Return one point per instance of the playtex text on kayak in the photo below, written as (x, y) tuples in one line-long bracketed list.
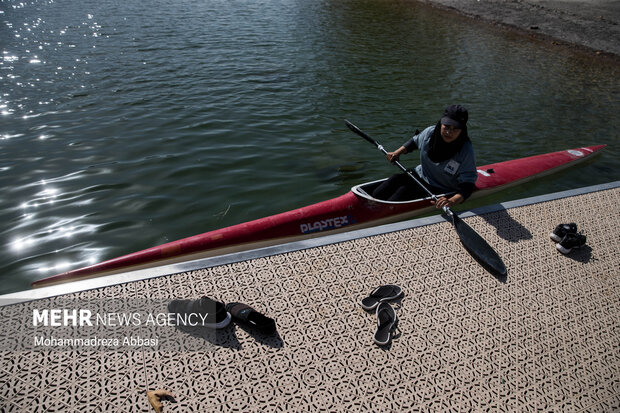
[(326, 224)]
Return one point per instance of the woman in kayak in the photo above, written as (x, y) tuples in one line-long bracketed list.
[(447, 163)]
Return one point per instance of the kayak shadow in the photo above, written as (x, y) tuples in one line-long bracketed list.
[(507, 227)]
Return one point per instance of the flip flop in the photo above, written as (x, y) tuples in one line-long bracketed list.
[(386, 320), (246, 314), (380, 294)]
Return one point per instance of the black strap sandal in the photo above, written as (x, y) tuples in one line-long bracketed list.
[(381, 294), (386, 322)]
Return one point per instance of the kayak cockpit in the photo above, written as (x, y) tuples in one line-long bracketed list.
[(365, 190)]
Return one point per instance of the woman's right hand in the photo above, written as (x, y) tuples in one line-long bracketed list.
[(393, 156)]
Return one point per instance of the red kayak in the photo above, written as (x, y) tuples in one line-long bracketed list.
[(353, 210)]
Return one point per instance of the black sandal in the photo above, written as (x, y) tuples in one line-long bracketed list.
[(380, 294), (386, 321)]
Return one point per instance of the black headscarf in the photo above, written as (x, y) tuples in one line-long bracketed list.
[(439, 150)]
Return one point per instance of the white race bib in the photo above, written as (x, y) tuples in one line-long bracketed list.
[(452, 167)]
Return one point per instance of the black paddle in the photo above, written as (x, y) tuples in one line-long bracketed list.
[(471, 240)]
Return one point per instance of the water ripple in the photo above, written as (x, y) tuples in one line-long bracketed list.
[(124, 126)]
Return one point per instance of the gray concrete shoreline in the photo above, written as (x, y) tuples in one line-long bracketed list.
[(592, 25)]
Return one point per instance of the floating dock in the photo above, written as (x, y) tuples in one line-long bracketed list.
[(544, 339)]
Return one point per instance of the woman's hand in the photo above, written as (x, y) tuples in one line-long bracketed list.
[(393, 156), (448, 202)]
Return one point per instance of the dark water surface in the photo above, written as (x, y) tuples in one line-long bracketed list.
[(126, 124)]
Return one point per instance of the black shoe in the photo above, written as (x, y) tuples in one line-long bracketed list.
[(201, 312), (571, 241), (561, 230), (252, 318)]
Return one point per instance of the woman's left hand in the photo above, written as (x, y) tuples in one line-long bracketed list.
[(448, 202)]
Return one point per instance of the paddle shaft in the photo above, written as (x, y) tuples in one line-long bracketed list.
[(397, 163)]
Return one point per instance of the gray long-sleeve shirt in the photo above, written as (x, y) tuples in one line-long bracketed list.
[(449, 174)]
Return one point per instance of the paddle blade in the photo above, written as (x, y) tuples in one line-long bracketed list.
[(479, 248)]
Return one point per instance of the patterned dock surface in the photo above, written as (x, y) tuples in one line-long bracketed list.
[(546, 339)]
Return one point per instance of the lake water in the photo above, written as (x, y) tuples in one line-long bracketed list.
[(127, 124)]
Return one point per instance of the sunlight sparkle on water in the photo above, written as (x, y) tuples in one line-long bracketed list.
[(64, 266), (21, 244)]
